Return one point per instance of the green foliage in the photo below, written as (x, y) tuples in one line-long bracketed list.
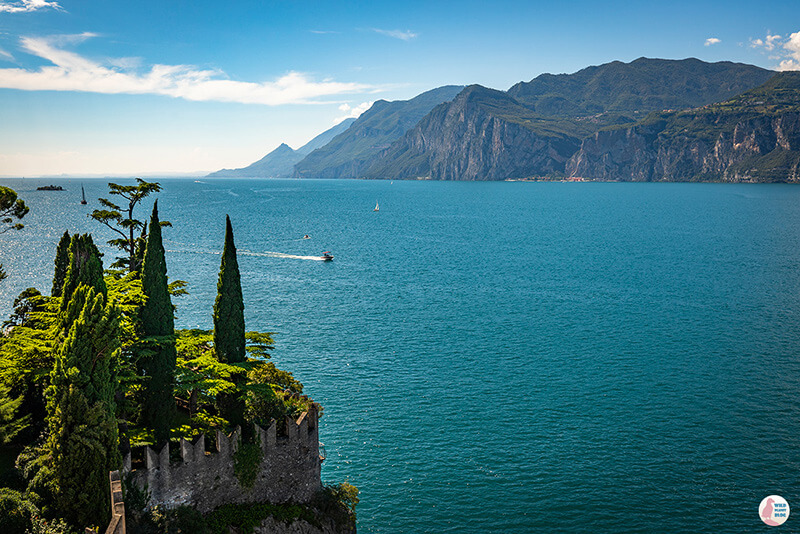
[(339, 502), (698, 130), (125, 290), (29, 303), (62, 264), (82, 445), (12, 423), (229, 338), (83, 448), (642, 85), (120, 220), (246, 461), (158, 520), (258, 343), (136, 499), (15, 512), (268, 373), (40, 525), (11, 208), (85, 268), (157, 355), (201, 379), (26, 359), (79, 350), (245, 517)]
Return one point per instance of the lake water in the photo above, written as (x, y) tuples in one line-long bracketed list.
[(508, 357)]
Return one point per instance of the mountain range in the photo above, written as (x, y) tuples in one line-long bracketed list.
[(280, 162), (647, 120)]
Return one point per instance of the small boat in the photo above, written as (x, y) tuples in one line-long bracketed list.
[(83, 196), (326, 256), (376, 206), (306, 236)]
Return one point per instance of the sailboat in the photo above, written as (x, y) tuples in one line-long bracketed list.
[(83, 195), (376, 206)]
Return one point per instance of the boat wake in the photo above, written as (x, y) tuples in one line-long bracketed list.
[(241, 252), (279, 255)]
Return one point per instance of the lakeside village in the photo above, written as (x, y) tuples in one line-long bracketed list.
[(113, 421)]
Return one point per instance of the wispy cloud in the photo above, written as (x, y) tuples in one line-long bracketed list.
[(712, 41), (322, 32), (5, 54), (26, 6), (352, 112), (397, 34), (785, 50), (72, 72)]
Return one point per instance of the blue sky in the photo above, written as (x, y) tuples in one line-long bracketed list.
[(104, 87)]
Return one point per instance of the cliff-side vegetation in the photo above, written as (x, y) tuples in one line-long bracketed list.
[(754, 136), (97, 367)]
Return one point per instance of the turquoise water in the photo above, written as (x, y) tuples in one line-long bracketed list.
[(509, 357)]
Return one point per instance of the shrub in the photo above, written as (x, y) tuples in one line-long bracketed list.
[(15, 512)]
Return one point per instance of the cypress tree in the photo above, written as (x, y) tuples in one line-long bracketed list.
[(158, 331), (83, 443), (229, 306), (62, 264), (84, 268)]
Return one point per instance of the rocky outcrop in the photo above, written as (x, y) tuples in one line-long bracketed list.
[(482, 135), (739, 148)]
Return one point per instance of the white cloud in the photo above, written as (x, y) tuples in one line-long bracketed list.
[(26, 6), (768, 43), (397, 34), (5, 54), (72, 72), (792, 46), (350, 112), (785, 50), (322, 32), (712, 41), (788, 64)]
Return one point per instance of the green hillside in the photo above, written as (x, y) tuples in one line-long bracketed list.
[(640, 86)]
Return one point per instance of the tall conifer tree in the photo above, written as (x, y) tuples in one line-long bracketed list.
[(62, 264), (158, 331), (229, 339), (83, 443), (84, 268)]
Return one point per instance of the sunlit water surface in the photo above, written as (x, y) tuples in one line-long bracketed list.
[(507, 357)]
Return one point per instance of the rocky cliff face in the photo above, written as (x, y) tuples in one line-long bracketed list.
[(348, 154), (762, 148), (482, 135)]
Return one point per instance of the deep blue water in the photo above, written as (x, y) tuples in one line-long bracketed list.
[(509, 357)]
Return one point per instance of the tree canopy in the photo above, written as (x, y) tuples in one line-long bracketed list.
[(11, 209), (98, 366), (120, 219)]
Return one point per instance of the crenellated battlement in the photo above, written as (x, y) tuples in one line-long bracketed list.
[(289, 468)]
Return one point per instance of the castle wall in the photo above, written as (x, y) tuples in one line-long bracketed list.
[(289, 469)]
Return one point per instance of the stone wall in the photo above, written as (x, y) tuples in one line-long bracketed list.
[(272, 526), (289, 469)]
